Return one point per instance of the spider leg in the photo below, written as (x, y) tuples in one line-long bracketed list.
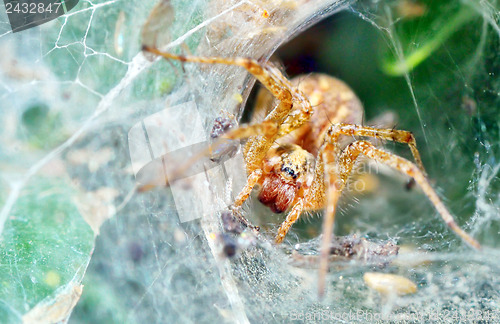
[(409, 169), (329, 154), (291, 218), (400, 136), (252, 180), (346, 163), (266, 73), (266, 129), (279, 86)]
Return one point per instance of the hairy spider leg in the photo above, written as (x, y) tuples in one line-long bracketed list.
[(336, 185), (420, 177), (279, 86), (400, 136)]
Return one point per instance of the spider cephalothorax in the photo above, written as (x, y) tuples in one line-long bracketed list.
[(289, 171)]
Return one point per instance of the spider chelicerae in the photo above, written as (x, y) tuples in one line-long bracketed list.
[(297, 155)]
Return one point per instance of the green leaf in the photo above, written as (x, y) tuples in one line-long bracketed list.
[(433, 35), (45, 245)]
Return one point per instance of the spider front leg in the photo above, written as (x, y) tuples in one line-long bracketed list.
[(266, 73), (252, 180), (278, 85), (292, 217)]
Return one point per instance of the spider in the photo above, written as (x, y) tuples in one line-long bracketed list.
[(298, 155)]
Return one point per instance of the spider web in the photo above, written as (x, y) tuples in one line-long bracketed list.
[(72, 89)]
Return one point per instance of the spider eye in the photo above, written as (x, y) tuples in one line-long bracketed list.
[(289, 171)]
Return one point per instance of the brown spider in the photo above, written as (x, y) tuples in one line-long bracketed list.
[(297, 156)]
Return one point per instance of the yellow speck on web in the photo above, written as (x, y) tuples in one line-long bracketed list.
[(387, 284), (52, 278), (238, 97)]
